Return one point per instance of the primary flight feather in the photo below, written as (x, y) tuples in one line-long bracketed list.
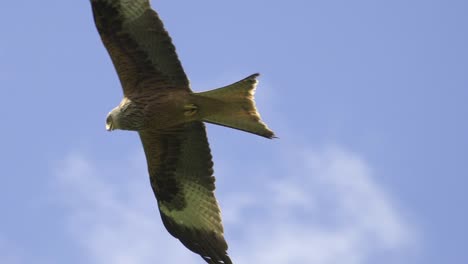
[(159, 104)]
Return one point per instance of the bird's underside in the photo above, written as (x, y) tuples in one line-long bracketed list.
[(159, 104)]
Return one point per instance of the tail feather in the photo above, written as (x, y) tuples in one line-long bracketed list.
[(234, 106)]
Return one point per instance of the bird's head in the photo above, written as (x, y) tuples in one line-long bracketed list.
[(125, 116), (112, 120)]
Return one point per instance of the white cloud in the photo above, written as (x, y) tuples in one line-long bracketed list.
[(326, 208), (115, 222)]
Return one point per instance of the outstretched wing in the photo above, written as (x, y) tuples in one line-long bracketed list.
[(139, 46), (181, 174)]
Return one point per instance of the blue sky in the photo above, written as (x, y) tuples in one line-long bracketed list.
[(368, 99)]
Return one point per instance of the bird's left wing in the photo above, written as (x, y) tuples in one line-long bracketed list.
[(139, 46), (181, 173)]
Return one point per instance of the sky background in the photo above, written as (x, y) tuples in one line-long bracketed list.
[(368, 99)]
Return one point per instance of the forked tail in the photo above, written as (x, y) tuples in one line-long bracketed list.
[(234, 106)]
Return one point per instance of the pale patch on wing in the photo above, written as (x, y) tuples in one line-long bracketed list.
[(202, 211), (133, 9)]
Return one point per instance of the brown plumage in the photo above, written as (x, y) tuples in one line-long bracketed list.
[(159, 104)]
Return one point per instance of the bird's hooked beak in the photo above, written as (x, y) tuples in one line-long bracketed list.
[(109, 127)]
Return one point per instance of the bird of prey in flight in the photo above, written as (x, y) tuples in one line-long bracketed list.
[(169, 117)]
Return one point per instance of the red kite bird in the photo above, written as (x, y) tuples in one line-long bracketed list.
[(159, 104)]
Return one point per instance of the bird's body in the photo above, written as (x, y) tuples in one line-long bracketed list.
[(159, 104), (158, 111)]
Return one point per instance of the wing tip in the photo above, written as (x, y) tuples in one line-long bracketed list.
[(210, 245)]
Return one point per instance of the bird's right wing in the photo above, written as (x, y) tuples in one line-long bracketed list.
[(139, 46), (181, 173)]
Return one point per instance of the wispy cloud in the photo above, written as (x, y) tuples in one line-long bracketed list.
[(327, 208), (113, 221)]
